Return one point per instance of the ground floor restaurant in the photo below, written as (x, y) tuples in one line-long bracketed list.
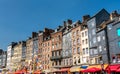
[(91, 69)]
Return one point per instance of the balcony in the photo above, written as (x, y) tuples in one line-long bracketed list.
[(56, 58)]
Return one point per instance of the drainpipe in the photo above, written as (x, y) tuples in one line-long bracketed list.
[(107, 45)]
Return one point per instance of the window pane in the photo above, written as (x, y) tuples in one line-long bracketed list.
[(98, 38), (93, 32), (118, 31), (78, 50)]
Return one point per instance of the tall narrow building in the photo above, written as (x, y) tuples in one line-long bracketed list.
[(92, 24), (56, 41), (10, 52), (18, 58), (67, 45), (45, 47)]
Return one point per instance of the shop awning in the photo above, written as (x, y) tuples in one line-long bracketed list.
[(118, 70), (54, 70), (84, 67), (64, 70), (18, 72), (95, 68), (24, 71), (75, 69), (113, 67), (37, 72)]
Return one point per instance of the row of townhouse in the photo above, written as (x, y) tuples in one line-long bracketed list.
[(95, 40)]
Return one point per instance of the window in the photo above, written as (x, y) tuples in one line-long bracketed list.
[(53, 46), (86, 33), (93, 31), (86, 40), (66, 61), (82, 41), (63, 53), (78, 50), (78, 59), (83, 51), (109, 27), (78, 41), (103, 37), (59, 62), (57, 53), (95, 51), (74, 51), (118, 32), (74, 42), (67, 53), (119, 44), (77, 32), (70, 61), (94, 40), (52, 40), (90, 43), (59, 36), (55, 62), (100, 48), (87, 51), (91, 51), (48, 43), (98, 38), (74, 34), (92, 24), (48, 49), (84, 59), (82, 34)]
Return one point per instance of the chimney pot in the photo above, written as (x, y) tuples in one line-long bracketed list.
[(85, 18), (114, 14)]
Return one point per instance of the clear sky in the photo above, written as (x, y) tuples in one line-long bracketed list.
[(18, 18)]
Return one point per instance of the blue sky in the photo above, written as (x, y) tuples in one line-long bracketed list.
[(18, 18)]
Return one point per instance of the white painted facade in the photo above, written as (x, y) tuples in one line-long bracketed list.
[(9, 54), (85, 46)]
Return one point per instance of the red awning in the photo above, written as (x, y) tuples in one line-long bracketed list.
[(113, 67), (118, 70), (64, 70), (94, 69), (37, 72), (18, 72), (24, 71)]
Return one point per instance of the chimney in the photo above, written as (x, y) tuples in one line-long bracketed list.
[(85, 18), (69, 21), (46, 30), (34, 34), (64, 23), (59, 27), (113, 15)]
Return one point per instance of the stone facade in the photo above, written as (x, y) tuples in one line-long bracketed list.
[(76, 44), (45, 48), (56, 49)]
